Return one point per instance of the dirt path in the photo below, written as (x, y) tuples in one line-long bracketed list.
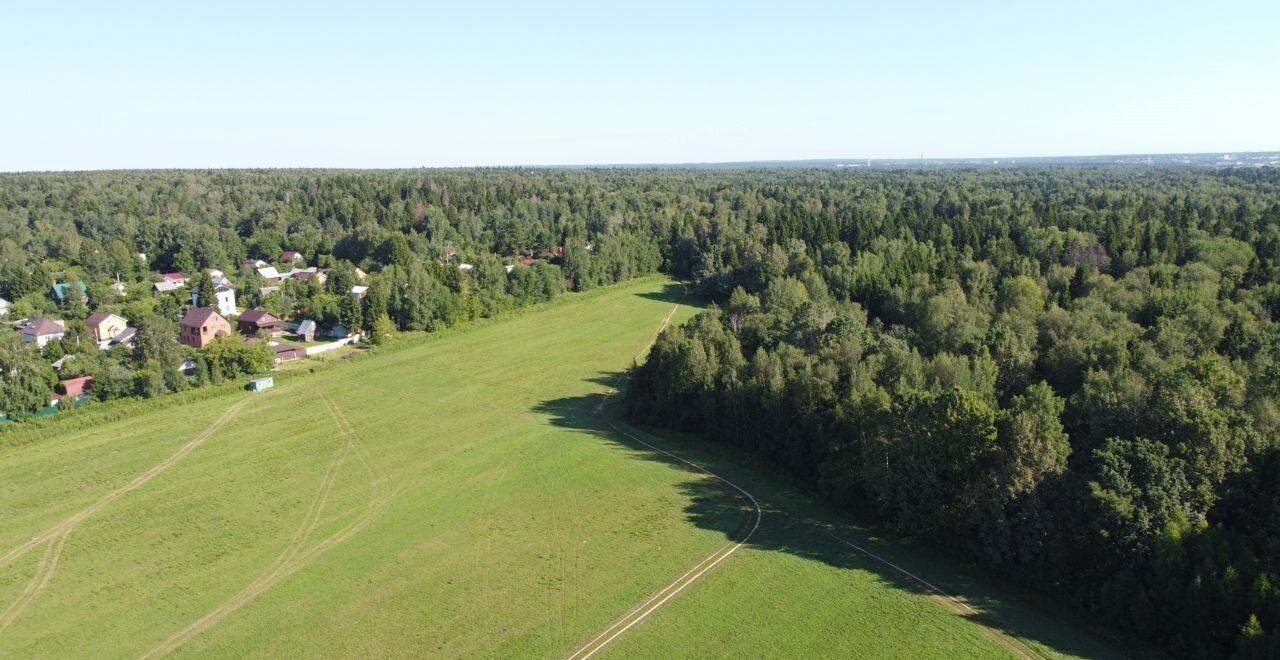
[(294, 557), (55, 538), (660, 598), (956, 605)]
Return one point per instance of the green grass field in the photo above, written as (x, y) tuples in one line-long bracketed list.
[(460, 496)]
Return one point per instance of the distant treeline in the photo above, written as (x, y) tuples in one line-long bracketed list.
[(1068, 374)]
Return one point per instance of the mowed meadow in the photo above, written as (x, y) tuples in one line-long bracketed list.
[(458, 496)]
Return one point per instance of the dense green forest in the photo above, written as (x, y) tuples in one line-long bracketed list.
[(1069, 374)]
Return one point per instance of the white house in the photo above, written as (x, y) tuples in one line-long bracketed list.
[(358, 291), (465, 266), (41, 331), (226, 299), (4, 307)]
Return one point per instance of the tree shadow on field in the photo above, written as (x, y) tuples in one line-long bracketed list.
[(795, 522), (673, 293)]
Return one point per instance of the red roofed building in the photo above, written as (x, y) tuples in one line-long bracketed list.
[(527, 260), (201, 326), (558, 250), (75, 386), (177, 279), (289, 256)]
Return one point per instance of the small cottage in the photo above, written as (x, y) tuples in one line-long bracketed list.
[(307, 330), (62, 292), (259, 323)]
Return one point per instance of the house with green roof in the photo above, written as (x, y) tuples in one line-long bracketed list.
[(62, 291)]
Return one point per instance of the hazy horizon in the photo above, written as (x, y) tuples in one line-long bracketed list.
[(1272, 156), (394, 85)]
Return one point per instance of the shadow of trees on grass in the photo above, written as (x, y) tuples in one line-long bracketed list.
[(795, 522), (672, 293)]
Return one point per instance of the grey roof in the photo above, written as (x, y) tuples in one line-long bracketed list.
[(125, 336), (306, 326)]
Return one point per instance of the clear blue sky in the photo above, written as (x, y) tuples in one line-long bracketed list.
[(400, 84)]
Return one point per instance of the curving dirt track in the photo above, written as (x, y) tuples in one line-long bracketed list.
[(294, 557), (56, 537)]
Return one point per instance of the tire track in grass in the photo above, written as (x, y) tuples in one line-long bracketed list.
[(955, 605), (650, 605), (56, 537), (294, 558)]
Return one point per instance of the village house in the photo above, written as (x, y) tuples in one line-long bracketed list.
[(289, 256), (255, 263), (361, 275), (177, 279), (358, 292), (225, 298), (73, 388), (41, 331), (201, 326), (4, 307), (307, 330), (62, 291), (259, 323), (465, 266), (164, 286), (308, 274), (119, 288), (104, 326), (270, 273)]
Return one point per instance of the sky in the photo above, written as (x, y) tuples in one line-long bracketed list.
[(376, 84)]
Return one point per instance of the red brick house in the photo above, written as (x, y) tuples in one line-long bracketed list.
[(201, 326)]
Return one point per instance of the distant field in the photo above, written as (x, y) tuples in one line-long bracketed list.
[(458, 497)]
